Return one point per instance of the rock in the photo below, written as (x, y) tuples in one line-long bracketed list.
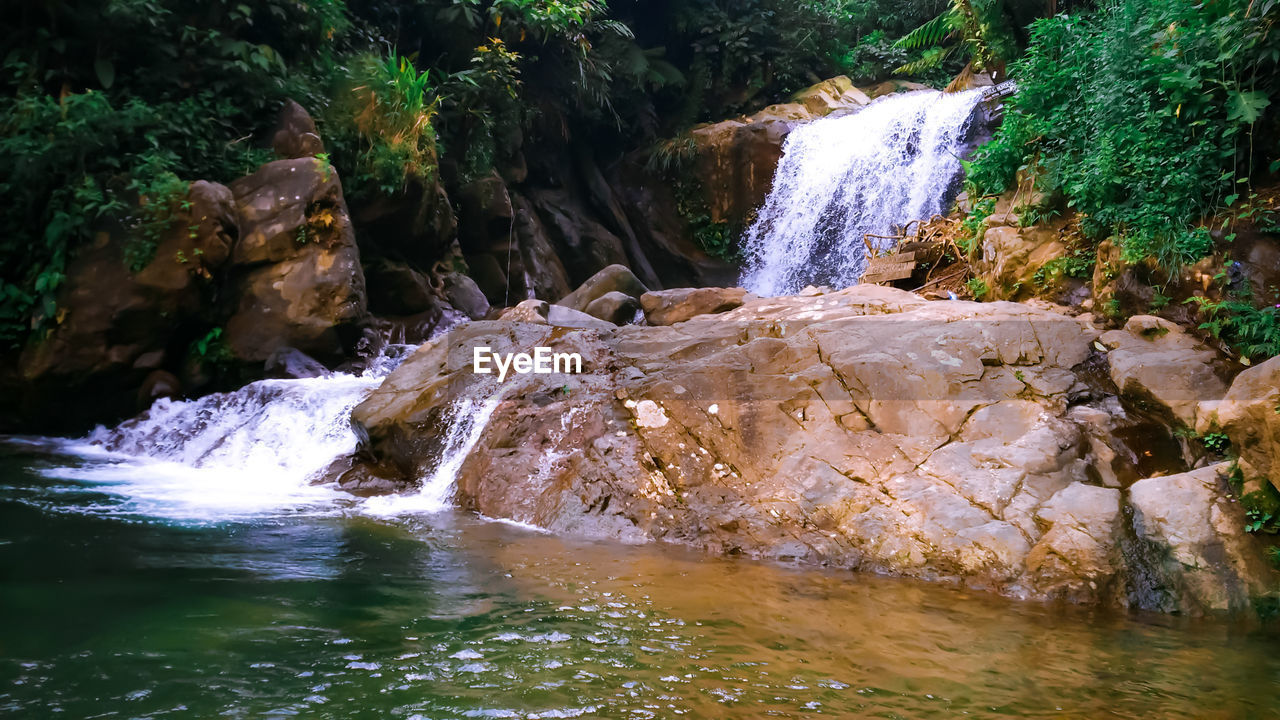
[(397, 289), (1012, 257), (890, 87), (547, 276), (1249, 415), (735, 159), (831, 96), (668, 307), (301, 284), (489, 274), (614, 307), (865, 428), (542, 313), (614, 278), (1202, 559), (416, 225), (290, 363), (296, 135), (583, 244), (115, 326), (486, 214), (1156, 361), (463, 293), (158, 384)]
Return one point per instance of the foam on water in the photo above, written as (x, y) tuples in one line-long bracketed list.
[(844, 178), (225, 456)]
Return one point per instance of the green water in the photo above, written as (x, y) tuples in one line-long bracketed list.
[(116, 615)]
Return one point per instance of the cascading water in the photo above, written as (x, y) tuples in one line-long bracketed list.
[(469, 416), (845, 178)]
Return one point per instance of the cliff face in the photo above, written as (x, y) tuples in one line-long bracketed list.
[(865, 428)]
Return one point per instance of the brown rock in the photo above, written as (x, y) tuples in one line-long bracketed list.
[(614, 307), (301, 284), (668, 307), (1156, 361), (296, 135), (1206, 560), (1248, 414), (614, 278)]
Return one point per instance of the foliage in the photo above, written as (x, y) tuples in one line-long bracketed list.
[(1252, 331), (1079, 264), (381, 127), (1143, 115), (978, 28), (978, 288)]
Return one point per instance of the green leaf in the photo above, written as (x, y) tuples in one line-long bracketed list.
[(106, 72), (1247, 107)]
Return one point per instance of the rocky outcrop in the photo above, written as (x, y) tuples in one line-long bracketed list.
[(735, 159), (1156, 362), (296, 135), (299, 281), (865, 428), (668, 307), (1013, 260), (1194, 533), (115, 326), (1250, 415)]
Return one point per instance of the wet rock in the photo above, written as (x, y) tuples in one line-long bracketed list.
[(1250, 415), (543, 313), (583, 244), (158, 384), (1202, 557), (890, 87), (865, 428), (614, 278), (291, 363), (668, 307), (1156, 361), (614, 307), (296, 135), (735, 159), (300, 281), (416, 225)]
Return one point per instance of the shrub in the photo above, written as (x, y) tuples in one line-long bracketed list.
[(1143, 115)]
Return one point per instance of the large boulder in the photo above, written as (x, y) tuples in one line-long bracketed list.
[(1250, 415), (668, 307), (614, 278), (1194, 533), (866, 429), (735, 159), (1156, 362), (116, 325), (299, 281)]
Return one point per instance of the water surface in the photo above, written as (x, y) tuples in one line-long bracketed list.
[(112, 612)]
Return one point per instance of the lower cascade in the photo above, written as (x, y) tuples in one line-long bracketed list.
[(845, 180)]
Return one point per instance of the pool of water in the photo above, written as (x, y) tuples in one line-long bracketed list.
[(110, 612)]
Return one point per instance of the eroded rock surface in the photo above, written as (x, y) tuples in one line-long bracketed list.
[(866, 428)]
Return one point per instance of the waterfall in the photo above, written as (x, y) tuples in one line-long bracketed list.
[(843, 178), (469, 415)]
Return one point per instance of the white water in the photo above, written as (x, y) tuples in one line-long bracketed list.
[(470, 417), (843, 178), (227, 456), (251, 453)]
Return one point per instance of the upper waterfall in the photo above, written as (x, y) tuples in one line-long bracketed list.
[(843, 180)]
